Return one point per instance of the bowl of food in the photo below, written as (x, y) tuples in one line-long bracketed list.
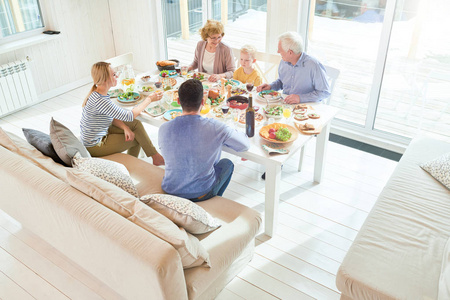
[(238, 102), (146, 89), (169, 64), (278, 133), (273, 111), (146, 78)]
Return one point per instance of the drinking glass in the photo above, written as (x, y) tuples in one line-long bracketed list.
[(205, 109), (205, 94), (184, 70), (287, 112)]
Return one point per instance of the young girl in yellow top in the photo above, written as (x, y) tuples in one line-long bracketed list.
[(247, 72)]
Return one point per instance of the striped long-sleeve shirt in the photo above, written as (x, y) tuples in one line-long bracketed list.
[(97, 116)]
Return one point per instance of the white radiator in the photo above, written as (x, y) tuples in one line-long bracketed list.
[(17, 88)]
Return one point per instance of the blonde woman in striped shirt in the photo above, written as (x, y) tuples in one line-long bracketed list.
[(107, 128)]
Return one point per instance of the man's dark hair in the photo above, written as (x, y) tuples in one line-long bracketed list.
[(191, 95)]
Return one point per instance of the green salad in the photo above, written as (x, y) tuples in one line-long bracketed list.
[(274, 111), (283, 134)]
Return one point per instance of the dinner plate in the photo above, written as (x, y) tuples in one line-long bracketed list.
[(267, 96), (168, 115), (115, 92), (135, 98), (264, 133), (156, 110), (205, 76)]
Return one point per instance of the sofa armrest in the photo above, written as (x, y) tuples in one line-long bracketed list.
[(128, 259)]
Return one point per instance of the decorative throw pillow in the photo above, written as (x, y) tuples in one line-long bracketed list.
[(43, 143), (66, 144), (110, 171), (182, 212), (191, 251), (439, 168)]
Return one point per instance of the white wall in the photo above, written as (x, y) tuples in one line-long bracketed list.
[(137, 27), (91, 31), (86, 37)]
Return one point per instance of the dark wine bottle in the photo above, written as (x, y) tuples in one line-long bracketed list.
[(250, 118)]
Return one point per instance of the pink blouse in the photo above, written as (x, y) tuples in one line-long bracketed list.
[(223, 62)]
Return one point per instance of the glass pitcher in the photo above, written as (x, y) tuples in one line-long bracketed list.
[(128, 79)]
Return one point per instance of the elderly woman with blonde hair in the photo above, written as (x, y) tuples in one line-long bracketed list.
[(107, 128), (211, 55)]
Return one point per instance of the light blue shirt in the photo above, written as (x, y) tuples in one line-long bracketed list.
[(191, 146), (307, 79)]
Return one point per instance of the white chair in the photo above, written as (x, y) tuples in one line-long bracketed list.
[(121, 60), (333, 75), (265, 64)]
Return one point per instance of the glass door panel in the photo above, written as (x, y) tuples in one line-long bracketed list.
[(415, 91), (245, 23), (346, 34)]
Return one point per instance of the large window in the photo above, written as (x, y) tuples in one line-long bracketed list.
[(17, 16), (244, 20), (394, 58)]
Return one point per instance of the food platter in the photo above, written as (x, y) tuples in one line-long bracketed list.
[(264, 133), (258, 118), (172, 114)]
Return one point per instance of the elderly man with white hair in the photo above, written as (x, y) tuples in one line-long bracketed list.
[(302, 77)]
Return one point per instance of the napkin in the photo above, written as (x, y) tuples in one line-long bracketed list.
[(275, 149)]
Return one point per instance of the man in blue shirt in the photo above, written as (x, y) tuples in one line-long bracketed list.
[(191, 147), (302, 77)]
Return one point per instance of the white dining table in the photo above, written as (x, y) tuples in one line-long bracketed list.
[(273, 162)]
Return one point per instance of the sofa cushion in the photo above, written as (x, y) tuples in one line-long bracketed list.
[(191, 251), (110, 171), (182, 212), (42, 142), (439, 168), (21, 147), (66, 144)]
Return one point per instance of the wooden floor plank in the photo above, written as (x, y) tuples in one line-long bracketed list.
[(24, 276), (9, 290)]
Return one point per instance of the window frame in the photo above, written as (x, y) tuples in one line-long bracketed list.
[(29, 33)]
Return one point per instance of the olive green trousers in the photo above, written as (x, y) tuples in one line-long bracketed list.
[(114, 141)]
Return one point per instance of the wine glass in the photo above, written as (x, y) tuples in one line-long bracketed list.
[(249, 86), (158, 85)]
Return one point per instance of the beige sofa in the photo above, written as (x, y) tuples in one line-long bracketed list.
[(131, 261), (403, 249)]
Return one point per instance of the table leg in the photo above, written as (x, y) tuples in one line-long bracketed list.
[(302, 156), (273, 178), (321, 150)]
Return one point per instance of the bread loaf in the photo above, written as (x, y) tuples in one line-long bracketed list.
[(165, 63)]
